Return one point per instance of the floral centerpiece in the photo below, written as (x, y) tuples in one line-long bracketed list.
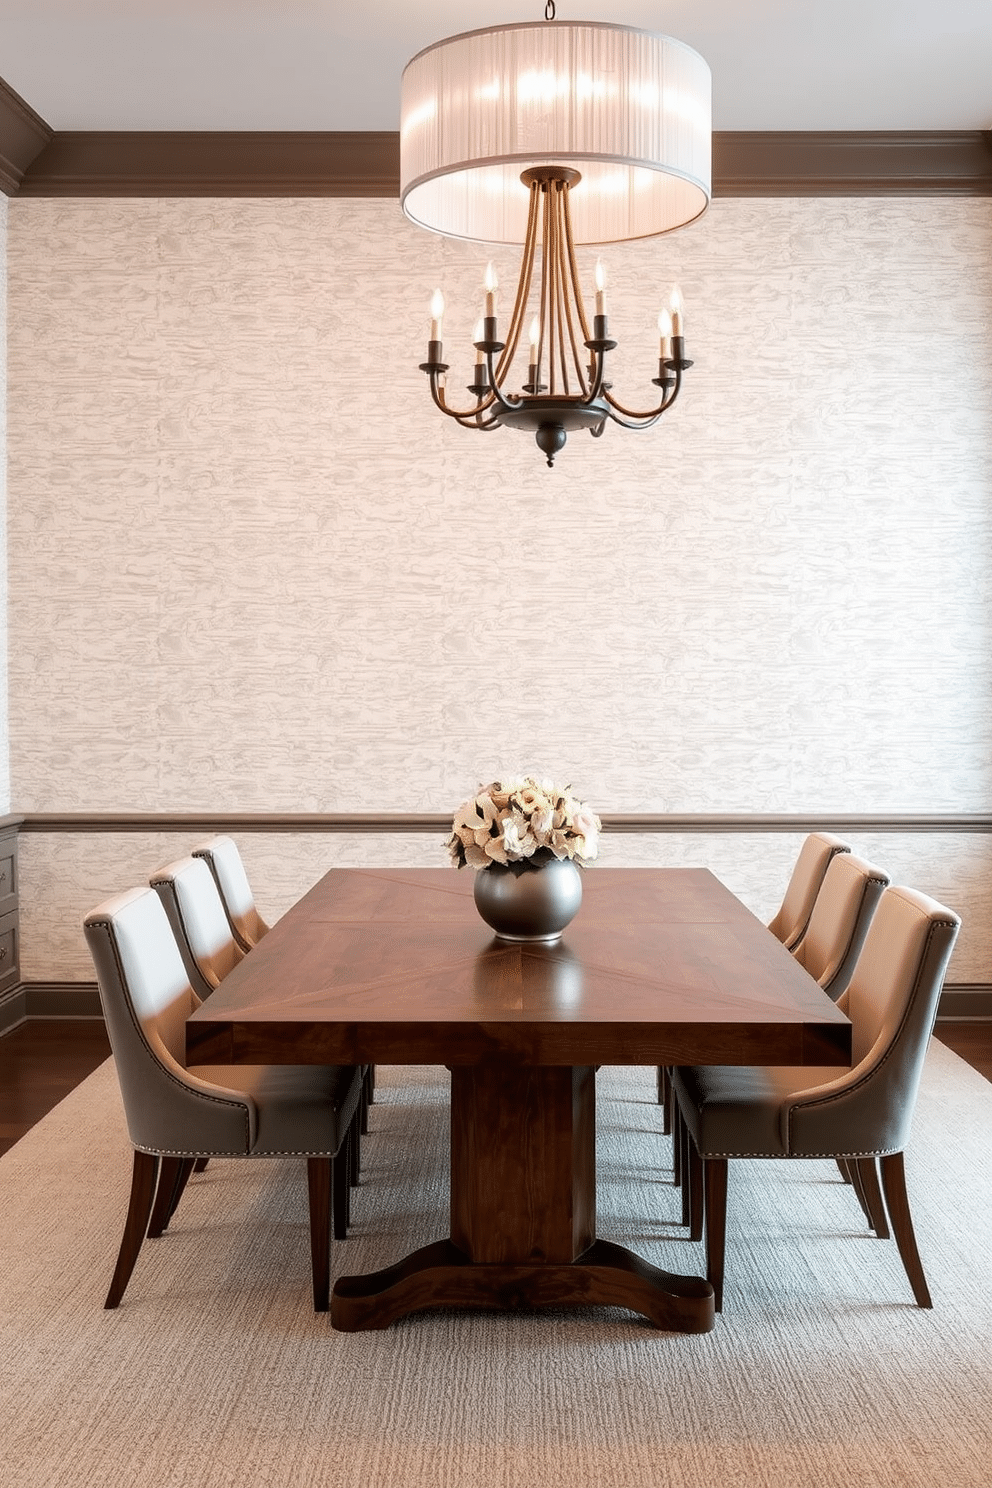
[(528, 822)]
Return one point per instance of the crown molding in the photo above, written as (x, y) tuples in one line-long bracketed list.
[(23, 135), (366, 164)]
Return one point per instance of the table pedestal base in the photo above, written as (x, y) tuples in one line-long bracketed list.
[(441, 1275), (523, 1215)]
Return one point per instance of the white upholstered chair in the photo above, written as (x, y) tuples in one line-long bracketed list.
[(178, 1114), (225, 863), (861, 1115), (842, 912), (793, 914), (203, 932)]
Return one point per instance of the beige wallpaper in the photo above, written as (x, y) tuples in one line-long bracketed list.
[(252, 569), (4, 743)]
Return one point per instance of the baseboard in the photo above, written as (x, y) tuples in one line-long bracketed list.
[(61, 1000), (959, 1000), (12, 1008)]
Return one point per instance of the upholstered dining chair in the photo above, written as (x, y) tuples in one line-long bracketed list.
[(225, 863), (196, 913), (247, 926), (843, 910), (788, 925), (793, 915), (860, 1116), (177, 1114)]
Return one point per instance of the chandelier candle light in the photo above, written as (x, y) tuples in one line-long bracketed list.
[(554, 134)]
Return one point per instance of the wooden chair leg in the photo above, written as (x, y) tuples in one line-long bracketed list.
[(695, 1192), (715, 1181), (684, 1175), (200, 1166), (676, 1143), (170, 1176), (143, 1176), (370, 1083), (363, 1109), (665, 1098), (355, 1151), (897, 1202), (319, 1192), (871, 1195), (859, 1191), (341, 1188), (843, 1168)]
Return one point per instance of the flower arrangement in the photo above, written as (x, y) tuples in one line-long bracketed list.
[(524, 821)]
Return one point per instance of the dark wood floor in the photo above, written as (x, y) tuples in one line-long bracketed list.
[(43, 1059)]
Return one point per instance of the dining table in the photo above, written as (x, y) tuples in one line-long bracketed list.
[(380, 966)]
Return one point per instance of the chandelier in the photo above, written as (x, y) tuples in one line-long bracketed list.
[(553, 134)]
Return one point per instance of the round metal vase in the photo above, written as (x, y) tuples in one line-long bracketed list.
[(529, 903)]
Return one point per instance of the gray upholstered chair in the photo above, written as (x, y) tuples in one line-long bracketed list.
[(176, 1114), (224, 861), (788, 925), (199, 922), (861, 1115), (843, 910), (792, 916)]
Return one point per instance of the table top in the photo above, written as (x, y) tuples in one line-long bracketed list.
[(394, 966)]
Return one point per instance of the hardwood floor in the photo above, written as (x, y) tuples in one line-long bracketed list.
[(40, 1062), (45, 1058)]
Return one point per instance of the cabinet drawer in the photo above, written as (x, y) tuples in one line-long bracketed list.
[(8, 875), (9, 951)]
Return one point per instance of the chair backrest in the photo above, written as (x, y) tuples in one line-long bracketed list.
[(804, 885), (224, 860), (146, 998), (892, 1003), (199, 922), (841, 915)]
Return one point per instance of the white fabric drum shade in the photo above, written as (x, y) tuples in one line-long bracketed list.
[(628, 109)]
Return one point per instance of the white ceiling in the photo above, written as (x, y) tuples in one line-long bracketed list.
[(336, 64)]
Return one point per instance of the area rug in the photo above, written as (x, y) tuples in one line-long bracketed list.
[(215, 1370)]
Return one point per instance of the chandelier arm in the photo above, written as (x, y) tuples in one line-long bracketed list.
[(574, 270), (644, 421), (651, 413), (523, 290), (461, 414), (561, 286), (506, 405), (572, 292), (545, 292)]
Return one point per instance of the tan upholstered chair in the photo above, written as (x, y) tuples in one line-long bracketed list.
[(203, 932), (176, 1114), (843, 910), (792, 917), (860, 1115), (224, 861)]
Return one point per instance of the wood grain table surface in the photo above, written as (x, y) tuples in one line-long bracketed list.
[(394, 966)]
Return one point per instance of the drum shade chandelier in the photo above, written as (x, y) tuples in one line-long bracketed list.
[(553, 134)]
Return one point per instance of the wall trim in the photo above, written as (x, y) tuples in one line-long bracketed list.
[(959, 1000), (171, 163), (23, 135), (363, 821)]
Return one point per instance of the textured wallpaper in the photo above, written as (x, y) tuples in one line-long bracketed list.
[(252, 569), (4, 743)]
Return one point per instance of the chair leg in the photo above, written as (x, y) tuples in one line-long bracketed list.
[(354, 1150), (715, 1178), (843, 1168), (665, 1098), (676, 1143), (143, 1176), (695, 1176), (370, 1083), (685, 1142), (871, 1195), (172, 1178), (858, 1186), (200, 1166), (897, 1201), (319, 1192), (341, 1188)]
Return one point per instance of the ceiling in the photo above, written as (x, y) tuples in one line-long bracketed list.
[(336, 64)]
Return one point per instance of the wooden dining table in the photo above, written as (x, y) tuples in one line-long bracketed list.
[(661, 966)]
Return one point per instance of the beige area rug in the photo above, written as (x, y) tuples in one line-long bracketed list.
[(215, 1370)]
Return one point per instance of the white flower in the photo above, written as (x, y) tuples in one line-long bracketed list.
[(514, 819)]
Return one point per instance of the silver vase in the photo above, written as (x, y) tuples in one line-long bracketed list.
[(529, 903)]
